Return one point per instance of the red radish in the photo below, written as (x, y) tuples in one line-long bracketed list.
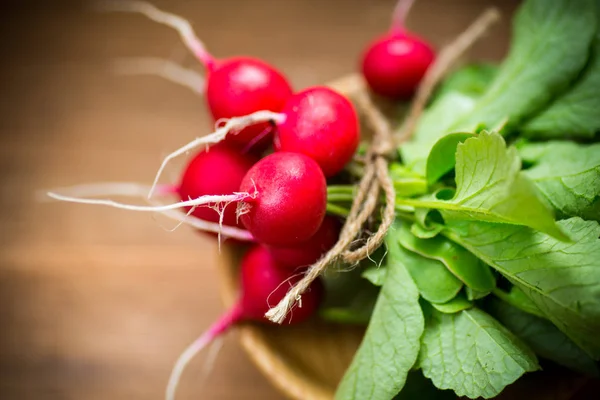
[(234, 86), (243, 85), (282, 199), (290, 201), (393, 64), (321, 124), (217, 171), (317, 122), (309, 252), (263, 284)]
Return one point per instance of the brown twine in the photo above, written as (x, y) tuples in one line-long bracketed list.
[(376, 175)]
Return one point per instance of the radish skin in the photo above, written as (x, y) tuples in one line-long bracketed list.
[(291, 199)]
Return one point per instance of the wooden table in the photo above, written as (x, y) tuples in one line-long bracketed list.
[(97, 303)]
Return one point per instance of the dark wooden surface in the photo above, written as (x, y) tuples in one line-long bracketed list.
[(96, 303)]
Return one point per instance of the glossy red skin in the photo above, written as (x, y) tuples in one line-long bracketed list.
[(310, 251), (394, 64), (291, 201), (322, 124), (264, 284), (240, 86), (218, 171)]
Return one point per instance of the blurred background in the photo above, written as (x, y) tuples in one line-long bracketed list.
[(97, 303)]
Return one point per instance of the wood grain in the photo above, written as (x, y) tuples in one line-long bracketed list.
[(97, 303)]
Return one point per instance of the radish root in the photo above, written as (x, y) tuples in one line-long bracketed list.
[(163, 68), (218, 328), (200, 201), (132, 189), (376, 175), (232, 124), (180, 24)]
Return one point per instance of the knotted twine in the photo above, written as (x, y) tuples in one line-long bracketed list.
[(376, 174)]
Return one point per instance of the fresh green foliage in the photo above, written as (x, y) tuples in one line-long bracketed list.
[(442, 157), (455, 98), (455, 305), (391, 343), (561, 278), (472, 353), (491, 187), (567, 174), (543, 338), (477, 204), (575, 113), (517, 298), (472, 80), (435, 282), (434, 123), (550, 47), (459, 263), (473, 294)]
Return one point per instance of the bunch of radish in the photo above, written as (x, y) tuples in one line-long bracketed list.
[(275, 201)]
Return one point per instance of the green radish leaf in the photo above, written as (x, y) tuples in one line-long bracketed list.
[(561, 278), (575, 113), (472, 353), (543, 338), (419, 387), (425, 233), (517, 298), (473, 294), (490, 187), (442, 157), (567, 174), (550, 46), (375, 274), (459, 303), (472, 80), (433, 124), (435, 282), (406, 182), (462, 264), (391, 343)]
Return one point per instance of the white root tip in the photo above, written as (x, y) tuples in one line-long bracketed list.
[(163, 68), (233, 124)]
